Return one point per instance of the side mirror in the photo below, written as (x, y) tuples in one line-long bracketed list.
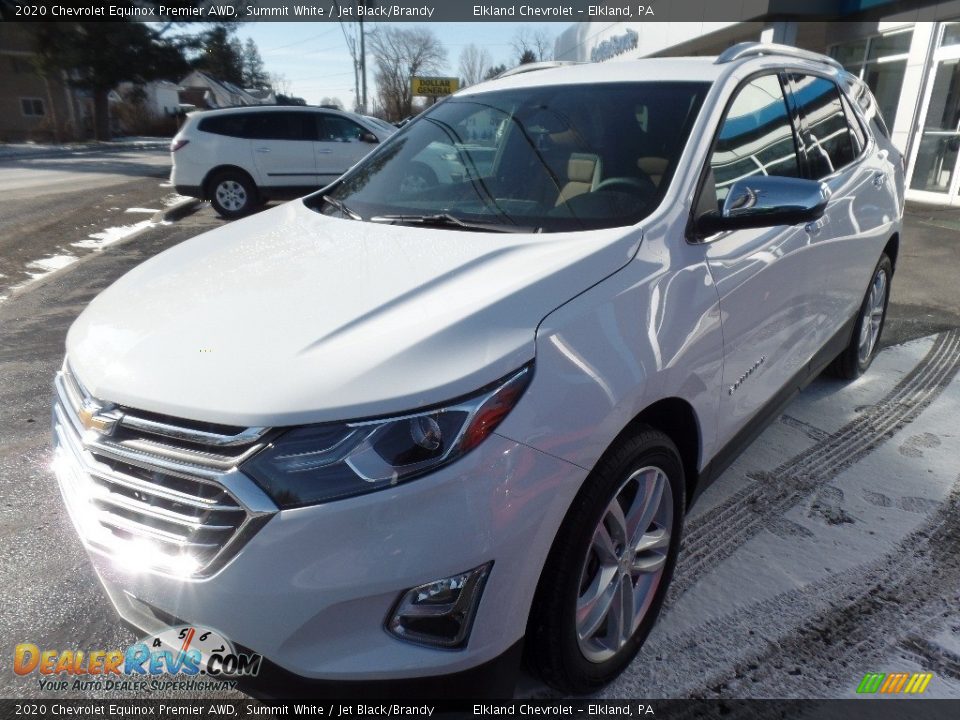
[(766, 201), (369, 137)]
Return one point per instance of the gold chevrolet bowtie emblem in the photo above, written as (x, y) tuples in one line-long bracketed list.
[(93, 417)]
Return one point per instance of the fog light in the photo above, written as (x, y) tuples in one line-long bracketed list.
[(440, 613)]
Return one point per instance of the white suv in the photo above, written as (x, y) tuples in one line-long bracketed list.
[(240, 157), (392, 430)]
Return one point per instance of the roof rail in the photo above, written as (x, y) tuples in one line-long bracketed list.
[(531, 67), (755, 49)]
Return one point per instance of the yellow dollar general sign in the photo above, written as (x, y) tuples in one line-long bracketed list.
[(894, 683), (434, 86)]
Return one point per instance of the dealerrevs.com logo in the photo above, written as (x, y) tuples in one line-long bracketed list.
[(173, 659)]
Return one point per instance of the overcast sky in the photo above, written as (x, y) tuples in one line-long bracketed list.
[(314, 58)]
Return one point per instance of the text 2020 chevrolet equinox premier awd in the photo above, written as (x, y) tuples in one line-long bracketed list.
[(389, 431)]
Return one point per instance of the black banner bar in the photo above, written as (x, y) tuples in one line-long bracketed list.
[(564, 11), (853, 709)]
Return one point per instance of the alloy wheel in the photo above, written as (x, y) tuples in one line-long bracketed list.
[(624, 564), (231, 195), (872, 316)]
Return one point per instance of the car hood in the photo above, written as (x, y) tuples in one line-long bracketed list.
[(292, 317)]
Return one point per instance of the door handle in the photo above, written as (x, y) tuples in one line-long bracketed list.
[(324, 152), (879, 179), (263, 150)]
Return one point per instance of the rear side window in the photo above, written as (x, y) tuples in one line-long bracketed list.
[(858, 90), (233, 125), (280, 126), (824, 133), (756, 137), (856, 129)]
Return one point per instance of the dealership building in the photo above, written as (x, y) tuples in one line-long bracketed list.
[(910, 58)]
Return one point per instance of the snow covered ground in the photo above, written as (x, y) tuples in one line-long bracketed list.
[(62, 257), (32, 149), (830, 549)]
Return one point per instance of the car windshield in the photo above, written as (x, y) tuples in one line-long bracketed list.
[(537, 159)]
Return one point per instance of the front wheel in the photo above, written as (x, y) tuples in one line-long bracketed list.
[(608, 571), (856, 358)]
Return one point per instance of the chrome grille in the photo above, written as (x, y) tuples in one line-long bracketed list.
[(152, 490)]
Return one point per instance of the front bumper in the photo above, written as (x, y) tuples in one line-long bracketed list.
[(313, 587)]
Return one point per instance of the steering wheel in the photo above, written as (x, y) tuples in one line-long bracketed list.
[(628, 185)]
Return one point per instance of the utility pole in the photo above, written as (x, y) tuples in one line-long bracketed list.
[(363, 63)]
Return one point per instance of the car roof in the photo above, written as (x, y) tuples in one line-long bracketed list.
[(270, 108), (753, 55), (672, 69)]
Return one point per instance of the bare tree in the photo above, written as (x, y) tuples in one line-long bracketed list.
[(475, 62), (537, 42), (399, 54), (280, 83)]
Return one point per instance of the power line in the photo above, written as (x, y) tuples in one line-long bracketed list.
[(299, 42)]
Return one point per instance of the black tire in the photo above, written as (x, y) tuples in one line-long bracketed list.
[(233, 194), (553, 649), (852, 363)]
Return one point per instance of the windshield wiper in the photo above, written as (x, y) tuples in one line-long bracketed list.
[(344, 210), (451, 221)]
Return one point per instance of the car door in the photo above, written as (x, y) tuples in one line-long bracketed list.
[(847, 240), (339, 146), (765, 277), (282, 144)]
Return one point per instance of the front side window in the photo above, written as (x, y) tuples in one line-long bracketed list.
[(756, 137), (824, 132), (548, 159), (333, 128)]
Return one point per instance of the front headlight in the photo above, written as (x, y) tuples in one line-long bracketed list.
[(319, 463)]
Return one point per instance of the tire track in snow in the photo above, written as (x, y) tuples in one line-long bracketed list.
[(716, 535), (814, 641)]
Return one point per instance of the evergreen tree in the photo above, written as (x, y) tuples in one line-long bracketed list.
[(254, 73), (220, 54), (99, 56)]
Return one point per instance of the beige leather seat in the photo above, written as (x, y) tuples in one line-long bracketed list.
[(583, 174), (653, 167)]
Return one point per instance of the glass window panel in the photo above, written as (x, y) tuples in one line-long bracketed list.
[(339, 129), (936, 159), (555, 157), (756, 137), (826, 135), (951, 34), (885, 81), (943, 113), (887, 45), (849, 53), (937, 152)]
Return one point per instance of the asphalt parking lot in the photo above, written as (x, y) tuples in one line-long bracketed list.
[(830, 549)]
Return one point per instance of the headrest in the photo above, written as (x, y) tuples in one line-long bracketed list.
[(582, 167)]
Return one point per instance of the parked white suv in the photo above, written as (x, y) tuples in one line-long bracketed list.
[(389, 432), (239, 158)]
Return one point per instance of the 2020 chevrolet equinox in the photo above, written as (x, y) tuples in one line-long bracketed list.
[(463, 396)]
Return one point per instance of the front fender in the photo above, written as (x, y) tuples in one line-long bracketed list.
[(648, 332)]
